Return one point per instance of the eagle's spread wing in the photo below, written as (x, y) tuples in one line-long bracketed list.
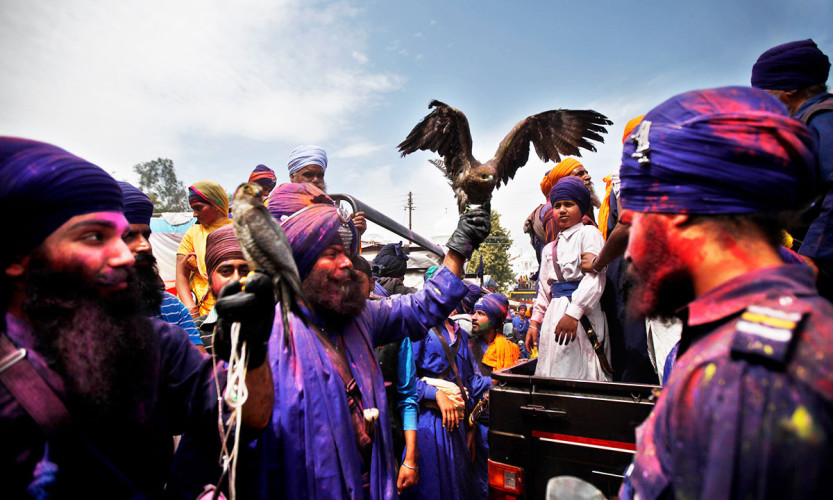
[(554, 133), (445, 131)]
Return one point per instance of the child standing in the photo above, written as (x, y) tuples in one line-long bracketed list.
[(565, 294)]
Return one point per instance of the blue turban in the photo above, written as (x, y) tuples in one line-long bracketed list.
[(793, 65), (312, 229), (495, 306), (571, 188), (730, 150), (138, 209), (43, 186), (471, 298), (290, 197), (390, 262), (302, 156)]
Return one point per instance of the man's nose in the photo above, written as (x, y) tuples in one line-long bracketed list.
[(120, 254)]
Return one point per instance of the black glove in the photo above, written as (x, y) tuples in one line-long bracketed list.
[(472, 228), (254, 308)]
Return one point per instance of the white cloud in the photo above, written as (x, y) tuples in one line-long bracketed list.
[(357, 150), (119, 81)]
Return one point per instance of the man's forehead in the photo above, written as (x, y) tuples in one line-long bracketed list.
[(312, 168), (116, 220)]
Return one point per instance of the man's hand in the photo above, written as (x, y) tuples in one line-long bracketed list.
[(565, 330), (254, 308), (531, 340), (449, 412), (472, 228), (360, 222), (587, 262), (407, 477)]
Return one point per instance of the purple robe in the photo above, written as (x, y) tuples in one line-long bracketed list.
[(309, 451), (748, 409)]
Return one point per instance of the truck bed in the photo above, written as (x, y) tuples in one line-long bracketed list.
[(551, 427)]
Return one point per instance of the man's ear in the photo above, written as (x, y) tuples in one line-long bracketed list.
[(18, 269)]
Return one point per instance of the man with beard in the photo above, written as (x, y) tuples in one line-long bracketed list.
[(330, 435), (747, 410), (92, 389), (156, 301)]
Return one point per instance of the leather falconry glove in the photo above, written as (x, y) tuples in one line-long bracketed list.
[(254, 308), (472, 228)]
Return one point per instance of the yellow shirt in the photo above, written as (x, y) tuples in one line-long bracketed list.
[(194, 241)]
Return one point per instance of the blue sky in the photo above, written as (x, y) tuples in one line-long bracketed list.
[(219, 87)]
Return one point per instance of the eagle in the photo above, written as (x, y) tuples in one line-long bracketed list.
[(266, 249), (445, 130)]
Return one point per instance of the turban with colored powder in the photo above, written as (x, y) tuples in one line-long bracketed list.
[(302, 156), (390, 262), (221, 245), (560, 171), (471, 298), (264, 176), (791, 66), (571, 188), (495, 306), (729, 150), (288, 198), (138, 209), (41, 187), (209, 192), (312, 229)]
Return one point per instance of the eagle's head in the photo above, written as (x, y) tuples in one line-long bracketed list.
[(479, 182)]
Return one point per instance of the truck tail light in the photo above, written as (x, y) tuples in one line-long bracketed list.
[(505, 481)]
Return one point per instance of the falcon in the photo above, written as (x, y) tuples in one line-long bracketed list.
[(553, 133), (266, 249)]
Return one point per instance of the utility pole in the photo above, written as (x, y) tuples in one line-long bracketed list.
[(410, 208)]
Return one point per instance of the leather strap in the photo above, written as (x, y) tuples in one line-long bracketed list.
[(597, 346), (452, 359), (30, 390)]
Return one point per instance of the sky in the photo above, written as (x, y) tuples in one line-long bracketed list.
[(220, 87)]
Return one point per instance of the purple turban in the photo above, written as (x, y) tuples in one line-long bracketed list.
[(264, 176), (43, 186), (471, 298), (221, 245), (390, 262), (571, 188), (312, 229), (291, 197), (730, 150), (791, 66), (138, 209), (302, 156), (495, 306)]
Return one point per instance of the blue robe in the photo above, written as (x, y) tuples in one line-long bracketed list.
[(308, 450), (445, 468)]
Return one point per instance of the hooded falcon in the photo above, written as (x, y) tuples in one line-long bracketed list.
[(554, 133)]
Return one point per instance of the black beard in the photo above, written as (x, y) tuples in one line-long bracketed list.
[(661, 286), (102, 347), (148, 284), (336, 304)]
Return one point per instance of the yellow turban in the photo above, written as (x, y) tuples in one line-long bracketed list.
[(558, 172), (630, 126)]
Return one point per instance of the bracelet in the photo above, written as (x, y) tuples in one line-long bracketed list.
[(533, 328), (408, 466), (593, 265)]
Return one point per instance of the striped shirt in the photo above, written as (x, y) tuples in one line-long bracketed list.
[(174, 312)]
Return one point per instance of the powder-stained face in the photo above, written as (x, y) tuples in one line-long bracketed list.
[(93, 244), (662, 282), (137, 240), (480, 322), (312, 174)]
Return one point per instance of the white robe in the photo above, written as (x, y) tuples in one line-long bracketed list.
[(577, 359)]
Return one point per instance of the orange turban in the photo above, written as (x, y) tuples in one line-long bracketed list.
[(630, 126), (558, 172)]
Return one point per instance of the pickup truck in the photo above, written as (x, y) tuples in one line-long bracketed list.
[(546, 427)]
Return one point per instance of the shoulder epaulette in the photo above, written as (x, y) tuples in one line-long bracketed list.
[(766, 332)]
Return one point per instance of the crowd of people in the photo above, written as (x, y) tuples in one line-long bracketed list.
[(705, 266)]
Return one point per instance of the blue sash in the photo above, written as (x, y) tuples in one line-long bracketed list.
[(563, 289)]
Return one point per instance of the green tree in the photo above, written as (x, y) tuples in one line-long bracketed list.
[(157, 179), (495, 251)]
